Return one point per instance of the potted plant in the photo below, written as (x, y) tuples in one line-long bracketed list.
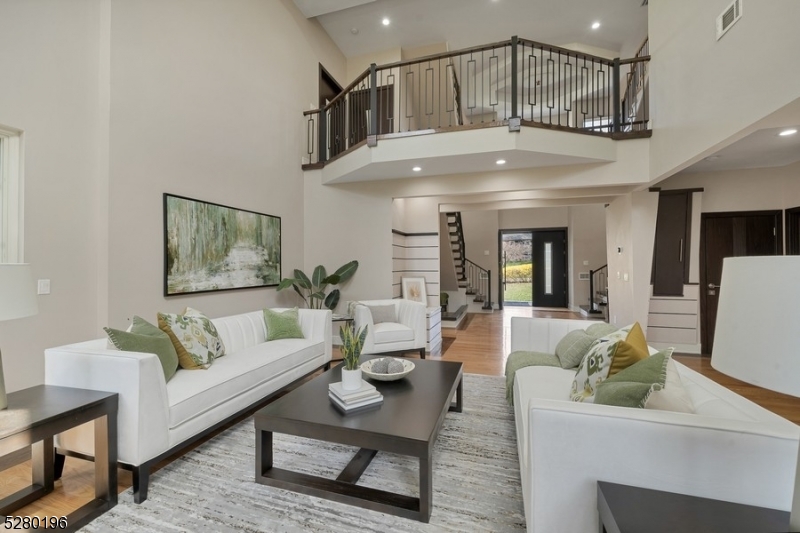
[(352, 343), (444, 298), (312, 290)]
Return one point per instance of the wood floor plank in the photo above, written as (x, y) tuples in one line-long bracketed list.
[(482, 346)]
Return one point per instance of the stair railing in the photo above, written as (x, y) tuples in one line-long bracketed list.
[(479, 282), (598, 288), (512, 83)]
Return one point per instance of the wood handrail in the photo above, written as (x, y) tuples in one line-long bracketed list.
[(641, 59), (341, 95), (446, 55), (553, 48)]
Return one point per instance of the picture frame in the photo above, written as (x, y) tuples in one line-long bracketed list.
[(414, 290), (211, 247)]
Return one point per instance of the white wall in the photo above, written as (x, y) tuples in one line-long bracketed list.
[(50, 69), (630, 225), (587, 242), (123, 100), (705, 91), (542, 217)]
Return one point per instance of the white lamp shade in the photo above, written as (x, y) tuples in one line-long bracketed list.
[(17, 291), (757, 336)]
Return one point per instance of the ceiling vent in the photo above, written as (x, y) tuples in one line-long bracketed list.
[(728, 18)]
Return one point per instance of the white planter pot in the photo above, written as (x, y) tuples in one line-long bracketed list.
[(351, 379)]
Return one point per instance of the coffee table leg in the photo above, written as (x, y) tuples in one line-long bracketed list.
[(425, 488), (263, 452), (42, 456), (105, 459), (459, 405)]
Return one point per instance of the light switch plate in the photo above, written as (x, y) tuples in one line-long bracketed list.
[(43, 286), (585, 262), (625, 277)]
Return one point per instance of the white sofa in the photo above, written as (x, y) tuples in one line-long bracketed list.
[(157, 418), (409, 333), (730, 449)]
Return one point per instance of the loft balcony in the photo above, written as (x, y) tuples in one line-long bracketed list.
[(532, 104)]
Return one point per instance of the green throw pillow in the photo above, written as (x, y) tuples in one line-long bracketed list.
[(571, 349), (632, 386), (283, 325), (146, 338), (601, 330)]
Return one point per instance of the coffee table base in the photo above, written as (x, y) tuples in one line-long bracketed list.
[(343, 489)]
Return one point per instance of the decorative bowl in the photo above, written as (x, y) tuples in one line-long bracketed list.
[(366, 369)]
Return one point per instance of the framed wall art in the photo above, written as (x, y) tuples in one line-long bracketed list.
[(212, 247), (414, 290)]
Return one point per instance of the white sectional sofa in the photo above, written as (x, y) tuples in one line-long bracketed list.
[(730, 449), (157, 418)]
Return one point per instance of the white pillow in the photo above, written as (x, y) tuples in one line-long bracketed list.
[(673, 397)]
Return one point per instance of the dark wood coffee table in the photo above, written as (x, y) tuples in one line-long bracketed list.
[(407, 423)]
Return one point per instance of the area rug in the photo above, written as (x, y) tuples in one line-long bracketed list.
[(476, 481)]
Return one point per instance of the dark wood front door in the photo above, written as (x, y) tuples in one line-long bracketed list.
[(724, 235), (329, 88), (549, 268)]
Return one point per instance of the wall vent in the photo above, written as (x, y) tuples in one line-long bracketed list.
[(728, 18)]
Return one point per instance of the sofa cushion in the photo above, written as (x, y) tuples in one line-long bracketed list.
[(193, 393), (194, 336), (146, 338), (632, 386), (571, 349), (238, 332), (673, 397), (283, 324), (596, 364), (392, 332), (383, 313)]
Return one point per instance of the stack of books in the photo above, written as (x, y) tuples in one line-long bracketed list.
[(351, 400)]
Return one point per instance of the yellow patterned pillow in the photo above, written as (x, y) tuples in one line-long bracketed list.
[(630, 351), (194, 336)]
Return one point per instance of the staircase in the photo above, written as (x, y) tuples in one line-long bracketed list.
[(474, 279), (598, 293)]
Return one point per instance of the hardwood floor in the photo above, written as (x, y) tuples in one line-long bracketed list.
[(481, 343)]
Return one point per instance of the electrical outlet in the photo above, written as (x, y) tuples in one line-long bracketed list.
[(486, 252), (585, 262), (43, 286), (625, 277)]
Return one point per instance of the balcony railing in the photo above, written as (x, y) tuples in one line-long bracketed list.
[(511, 83)]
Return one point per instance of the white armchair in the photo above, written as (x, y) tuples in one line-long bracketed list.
[(408, 333)]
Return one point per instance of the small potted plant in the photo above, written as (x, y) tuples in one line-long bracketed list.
[(352, 343), (444, 298)]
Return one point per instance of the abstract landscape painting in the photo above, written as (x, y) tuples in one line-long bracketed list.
[(211, 247)]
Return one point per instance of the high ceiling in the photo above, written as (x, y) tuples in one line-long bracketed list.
[(761, 149), (466, 23)]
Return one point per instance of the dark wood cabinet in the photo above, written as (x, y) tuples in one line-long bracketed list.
[(671, 250)]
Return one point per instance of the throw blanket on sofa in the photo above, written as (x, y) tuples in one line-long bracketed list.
[(520, 359)]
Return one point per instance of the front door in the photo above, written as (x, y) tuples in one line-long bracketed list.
[(549, 268), (724, 235)]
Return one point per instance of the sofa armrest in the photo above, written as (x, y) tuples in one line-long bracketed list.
[(143, 416), (542, 334), (316, 326), (573, 445)]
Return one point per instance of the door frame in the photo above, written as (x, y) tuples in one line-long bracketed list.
[(777, 213), (501, 274), (792, 235)]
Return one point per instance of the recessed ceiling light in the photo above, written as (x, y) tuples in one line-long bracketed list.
[(595, 25), (501, 161), (784, 133), (416, 169), (354, 31), (713, 157), (386, 21)]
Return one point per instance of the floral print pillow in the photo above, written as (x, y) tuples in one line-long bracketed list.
[(595, 365), (194, 336)]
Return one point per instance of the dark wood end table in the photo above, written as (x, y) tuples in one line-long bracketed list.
[(407, 423), (34, 416), (626, 509)]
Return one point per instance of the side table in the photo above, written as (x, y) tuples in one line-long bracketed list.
[(34, 416), (626, 509)]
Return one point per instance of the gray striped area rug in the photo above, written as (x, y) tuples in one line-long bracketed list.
[(476, 481)]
